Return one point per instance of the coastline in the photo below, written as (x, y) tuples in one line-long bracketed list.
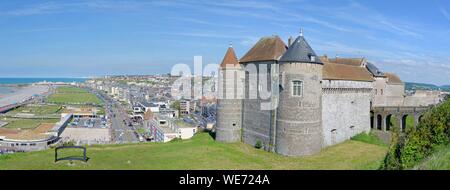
[(27, 81), (22, 94)]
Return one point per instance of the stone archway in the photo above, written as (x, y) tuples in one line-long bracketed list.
[(389, 122), (406, 122), (372, 120), (419, 119), (379, 122), (401, 117)]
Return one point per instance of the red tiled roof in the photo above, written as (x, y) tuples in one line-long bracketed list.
[(393, 78), (333, 71), (348, 61), (229, 58), (266, 49)]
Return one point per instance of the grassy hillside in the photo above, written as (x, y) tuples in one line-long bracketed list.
[(202, 152), (423, 86), (439, 160)]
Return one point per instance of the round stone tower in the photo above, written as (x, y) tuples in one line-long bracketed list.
[(229, 101), (299, 118)]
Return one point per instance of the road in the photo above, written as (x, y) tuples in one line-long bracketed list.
[(121, 132)]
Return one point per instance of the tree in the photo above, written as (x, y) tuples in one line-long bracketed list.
[(176, 106)]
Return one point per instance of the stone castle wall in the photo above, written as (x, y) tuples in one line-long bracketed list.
[(257, 121), (395, 94), (346, 110)]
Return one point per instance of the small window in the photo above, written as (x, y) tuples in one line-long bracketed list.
[(234, 124), (381, 91), (297, 88)]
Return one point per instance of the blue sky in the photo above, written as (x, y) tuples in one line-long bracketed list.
[(92, 38)]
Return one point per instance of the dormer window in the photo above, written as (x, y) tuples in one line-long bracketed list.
[(312, 57)]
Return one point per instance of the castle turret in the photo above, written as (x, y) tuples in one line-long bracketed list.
[(229, 103), (299, 118)]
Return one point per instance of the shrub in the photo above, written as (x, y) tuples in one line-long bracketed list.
[(4, 156), (69, 143), (391, 161), (411, 148), (258, 144)]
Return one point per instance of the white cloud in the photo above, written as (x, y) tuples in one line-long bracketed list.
[(445, 13), (43, 8), (356, 13)]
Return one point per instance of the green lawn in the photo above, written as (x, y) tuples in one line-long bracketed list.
[(202, 152), (74, 98), (70, 89), (26, 123), (370, 138), (73, 95), (37, 110)]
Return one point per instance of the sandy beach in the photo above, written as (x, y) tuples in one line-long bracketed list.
[(22, 94)]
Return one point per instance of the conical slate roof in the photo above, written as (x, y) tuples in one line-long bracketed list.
[(230, 58), (374, 70), (300, 51), (266, 49)]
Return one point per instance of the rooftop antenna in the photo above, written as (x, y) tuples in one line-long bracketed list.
[(301, 31)]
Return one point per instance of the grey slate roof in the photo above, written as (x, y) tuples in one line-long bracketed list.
[(300, 51), (374, 70)]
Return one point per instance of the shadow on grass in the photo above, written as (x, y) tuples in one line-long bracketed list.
[(212, 134), (73, 158)]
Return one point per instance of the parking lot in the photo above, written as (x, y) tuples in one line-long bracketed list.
[(89, 122)]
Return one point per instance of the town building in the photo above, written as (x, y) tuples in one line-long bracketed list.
[(185, 107), (39, 138), (164, 129)]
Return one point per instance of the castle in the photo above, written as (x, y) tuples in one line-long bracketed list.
[(292, 102)]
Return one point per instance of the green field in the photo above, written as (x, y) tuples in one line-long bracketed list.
[(73, 95), (26, 123), (70, 89), (37, 109), (202, 152)]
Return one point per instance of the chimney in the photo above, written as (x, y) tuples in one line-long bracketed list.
[(290, 40)]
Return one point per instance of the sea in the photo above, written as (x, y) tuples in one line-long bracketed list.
[(9, 81), (7, 85)]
